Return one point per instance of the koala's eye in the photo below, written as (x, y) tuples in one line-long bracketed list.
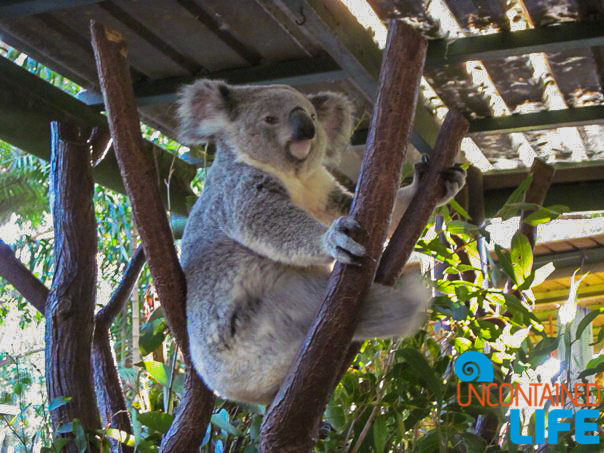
[(270, 119), (313, 116)]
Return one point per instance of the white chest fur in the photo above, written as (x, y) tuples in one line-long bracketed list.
[(309, 192)]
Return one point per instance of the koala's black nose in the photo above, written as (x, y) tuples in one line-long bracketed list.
[(302, 125)]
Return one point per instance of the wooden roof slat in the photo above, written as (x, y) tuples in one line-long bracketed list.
[(21, 8), (147, 59), (546, 119), (479, 14), (263, 40), (145, 32)]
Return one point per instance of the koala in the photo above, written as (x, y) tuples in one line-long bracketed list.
[(260, 242)]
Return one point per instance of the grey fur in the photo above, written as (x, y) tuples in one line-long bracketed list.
[(259, 242)]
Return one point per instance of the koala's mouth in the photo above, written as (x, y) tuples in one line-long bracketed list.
[(300, 149)]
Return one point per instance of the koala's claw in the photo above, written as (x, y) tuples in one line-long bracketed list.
[(340, 245)]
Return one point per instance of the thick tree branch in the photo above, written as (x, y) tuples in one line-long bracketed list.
[(69, 308), (291, 421), (105, 316), (112, 404), (152, 224), (32, 289)]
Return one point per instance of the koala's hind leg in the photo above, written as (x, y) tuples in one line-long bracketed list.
[(386, 312), (393, 312)]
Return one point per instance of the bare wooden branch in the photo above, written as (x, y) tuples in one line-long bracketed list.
[(152, 224), (32, 289), (291, 421), (69, 308), (112, 404), (106, 315), (421, 207), (543, 174)]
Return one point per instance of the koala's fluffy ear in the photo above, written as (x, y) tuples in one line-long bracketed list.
[(204, 109), (336, 114)]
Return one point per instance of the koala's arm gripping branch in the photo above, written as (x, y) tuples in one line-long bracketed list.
[(292, 420), (426, 197), (138, 174), (282, 231)]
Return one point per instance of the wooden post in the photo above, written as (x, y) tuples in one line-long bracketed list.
[(294, 415), (543, 174), (152, 225), (69, 308)]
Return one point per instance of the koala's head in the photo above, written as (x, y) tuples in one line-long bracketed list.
[(275, 125)]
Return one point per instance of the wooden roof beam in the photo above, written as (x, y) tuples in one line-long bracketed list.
[(576, 35), (317, 69), (12, 9), (547, 119), (27, 106)]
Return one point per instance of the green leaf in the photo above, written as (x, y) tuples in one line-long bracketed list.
[(461, 227), (429, 442), (515, 305), (507, 211), (542, 350), (80, 436), (521, 255), (586, 321), (156, 420), (461, 211), (544, 215), (418, 362), (152, 336), (462, 344), (600, 337), (380, 433), (591, 371), (504, 260), (59, 401), (121, 436), (335, 415), (221, 420), (158, 372)]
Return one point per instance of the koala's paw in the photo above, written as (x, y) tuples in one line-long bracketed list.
[(340, 245), (455, 178)]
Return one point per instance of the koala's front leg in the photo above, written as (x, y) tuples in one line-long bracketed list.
[(454, 179)]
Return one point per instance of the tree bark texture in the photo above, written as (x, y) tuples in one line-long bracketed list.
[(292, 419), (139, 178), (543, 175), (423, 203), (112, 405), (32, 289), (69, 308)]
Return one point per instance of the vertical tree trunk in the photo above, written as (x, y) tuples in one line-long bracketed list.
[(70, 305)]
